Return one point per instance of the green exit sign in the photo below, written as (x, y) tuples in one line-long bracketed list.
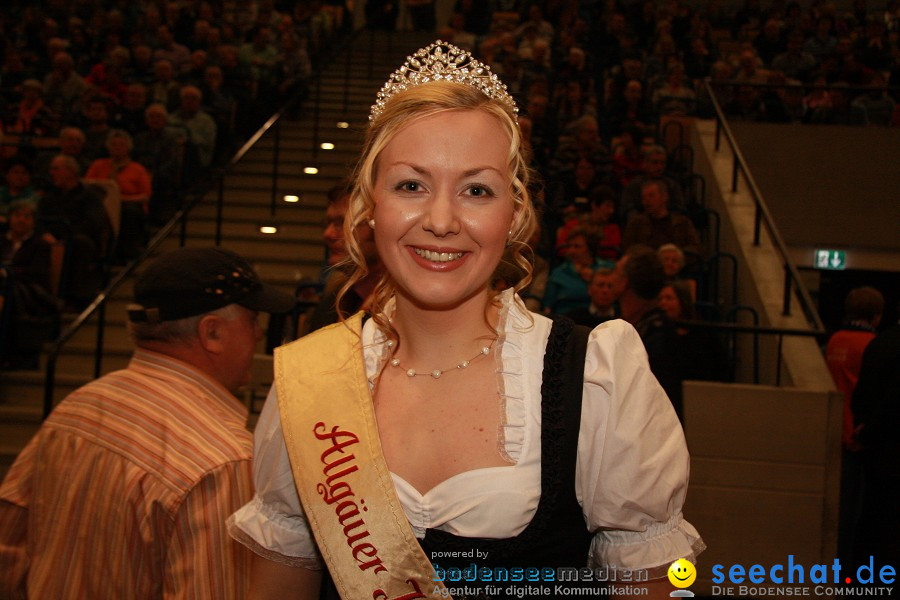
[(833, 260)]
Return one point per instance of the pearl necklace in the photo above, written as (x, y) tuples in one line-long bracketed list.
[(436, 373)]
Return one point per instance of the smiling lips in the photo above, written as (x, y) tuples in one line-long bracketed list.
[(438, 259), (438, 256)]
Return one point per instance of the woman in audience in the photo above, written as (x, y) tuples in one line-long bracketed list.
[(16, 186), (135, 189), (567, 288), (701, 354)]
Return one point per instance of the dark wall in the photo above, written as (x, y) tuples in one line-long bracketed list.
[(828, 186)]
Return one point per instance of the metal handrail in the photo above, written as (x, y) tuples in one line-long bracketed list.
[(756, 330), (764, 216), (98, 305)]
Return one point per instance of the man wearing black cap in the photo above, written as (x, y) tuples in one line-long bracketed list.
[(124, 491)]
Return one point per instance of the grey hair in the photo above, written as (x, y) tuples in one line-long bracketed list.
[(179, 330)]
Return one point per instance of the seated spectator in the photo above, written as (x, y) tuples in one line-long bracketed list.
[(877, 104), (576, 186), (629, 108), (130, 116), (770, 42), (96, 117), (602, 291), (142, 65), (25, 282), (795, 62), (839, 110), (598, 219), (674, 97), (583, 143), (699, 61), (16, 187), (672, 259), (159, 150), (221, 107), (193, 75), (641, 279), (294, 66), (199, 127), (656, 226), (572, 106), (533, 295), (823, 42), (70, 211), (700, 353), (108, 75), (655, 160), (261, 57), (64, 87), (32, 117), (135, 190), (628, 160), (168, 49), (164, 89), (71, 143), (567, 287)]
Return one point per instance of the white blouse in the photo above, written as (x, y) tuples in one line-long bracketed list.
[(631, 473)]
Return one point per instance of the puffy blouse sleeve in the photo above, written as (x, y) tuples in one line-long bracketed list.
[(633, 464), (273, 524)]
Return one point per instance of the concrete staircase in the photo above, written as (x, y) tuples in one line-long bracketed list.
[(284, 258)]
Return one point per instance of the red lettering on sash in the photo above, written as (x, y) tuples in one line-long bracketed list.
[(334, 491)]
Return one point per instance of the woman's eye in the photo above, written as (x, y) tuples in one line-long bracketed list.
[(479, 191), (409, 186)]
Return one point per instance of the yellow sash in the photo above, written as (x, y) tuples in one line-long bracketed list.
[(340, 472)]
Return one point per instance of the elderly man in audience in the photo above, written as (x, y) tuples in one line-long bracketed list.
[(125, 489), (159, 149), (656, 226), (199, 127), (72, 212), (655, 160), (64, 87)]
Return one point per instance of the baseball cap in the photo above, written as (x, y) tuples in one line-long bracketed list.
[(193, 281)]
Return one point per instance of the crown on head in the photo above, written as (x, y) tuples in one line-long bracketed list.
[(442, 62)]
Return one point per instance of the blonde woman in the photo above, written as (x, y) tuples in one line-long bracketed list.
[(453, 426)]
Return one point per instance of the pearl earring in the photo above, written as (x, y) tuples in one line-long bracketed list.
[(372, 223)]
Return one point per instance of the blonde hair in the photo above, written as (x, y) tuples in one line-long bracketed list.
[(404, 107)]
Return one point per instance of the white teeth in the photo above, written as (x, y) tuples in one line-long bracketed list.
[(438, 256)]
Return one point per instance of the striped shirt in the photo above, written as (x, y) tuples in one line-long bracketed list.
[(124, 491)]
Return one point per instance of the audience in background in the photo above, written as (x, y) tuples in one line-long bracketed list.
[(602, 291), (134, 187), (567, 287), (642, 280), (32, 311), (72, 213), (700, 352)]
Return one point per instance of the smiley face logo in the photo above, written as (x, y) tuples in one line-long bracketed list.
[(682, 573)]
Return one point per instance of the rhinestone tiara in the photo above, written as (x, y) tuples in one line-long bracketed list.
[(442, 62)]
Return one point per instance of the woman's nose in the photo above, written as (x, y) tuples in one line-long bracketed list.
[(441, 217)]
